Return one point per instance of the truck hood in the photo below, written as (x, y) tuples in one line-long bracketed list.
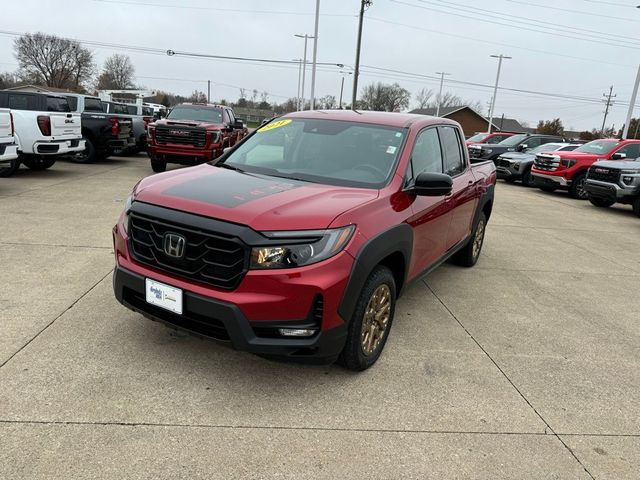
[(618, 164), (518, 156), (573, 154), (188, 123), (262, 202)]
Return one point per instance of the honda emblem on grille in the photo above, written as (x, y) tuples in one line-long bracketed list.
[(174, 245)]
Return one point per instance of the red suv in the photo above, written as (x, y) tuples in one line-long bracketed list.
[(297, 242), (553, 170)]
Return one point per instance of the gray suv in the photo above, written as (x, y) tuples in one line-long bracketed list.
[(614, 181)]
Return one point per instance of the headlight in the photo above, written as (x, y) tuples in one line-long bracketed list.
[(127, 208), (214, 137), (568, 162), (487, 150), (300, 248)]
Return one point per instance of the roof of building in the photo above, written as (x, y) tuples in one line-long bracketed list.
[(508, 124), (499, 123)]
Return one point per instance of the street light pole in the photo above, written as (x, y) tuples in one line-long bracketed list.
[(495, 88), (363, 5), (304, 67), (299, 60), (342, 87), (442, 74), (625, 132), (315, 54)]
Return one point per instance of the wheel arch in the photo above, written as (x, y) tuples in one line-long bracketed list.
[(392, 248)]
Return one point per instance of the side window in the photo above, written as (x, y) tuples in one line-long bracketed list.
[(632, 150), (453, 158), (496, 139), (426, 155), (569, 148), (534, 142), (232, 119)]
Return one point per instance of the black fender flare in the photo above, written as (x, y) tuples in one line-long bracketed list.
[(485, 198), (398, 239)]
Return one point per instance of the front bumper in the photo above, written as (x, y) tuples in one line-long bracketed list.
[(183, 155), (8, 153), (611, 191), (550, 180), (222, 321), (59, 147)]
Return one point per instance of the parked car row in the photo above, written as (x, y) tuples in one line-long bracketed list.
[(604, 171)]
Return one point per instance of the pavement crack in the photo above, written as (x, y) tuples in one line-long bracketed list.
[(548, 427), (56, 318)]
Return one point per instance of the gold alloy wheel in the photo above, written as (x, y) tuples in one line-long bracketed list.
[(376, 319), (477, 240)]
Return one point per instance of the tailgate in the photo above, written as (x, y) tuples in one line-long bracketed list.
[(66, 125), (126, 127), (5, 126)]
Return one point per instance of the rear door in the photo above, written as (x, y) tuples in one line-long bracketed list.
[(463, 198)]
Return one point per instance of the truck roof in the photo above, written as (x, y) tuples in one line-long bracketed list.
[(196, 104), (390, 119)]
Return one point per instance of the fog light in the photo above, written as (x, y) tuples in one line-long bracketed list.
[(627, 180), (296, 332)]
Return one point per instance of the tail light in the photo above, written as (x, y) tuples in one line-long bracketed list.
[(13, 129), (44, 123), (115, 127)]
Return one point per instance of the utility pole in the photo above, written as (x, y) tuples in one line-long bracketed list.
[(442, 74), (606, 110), (495, 88), (208, 91), (315, 54), (304, 67), (364, 4), (342, 87), (299, 60), (625, 131)]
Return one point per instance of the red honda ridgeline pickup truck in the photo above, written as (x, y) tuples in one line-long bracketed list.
[(297, 242), (192, 133)]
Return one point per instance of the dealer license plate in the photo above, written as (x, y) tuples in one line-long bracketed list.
[(164, 296)]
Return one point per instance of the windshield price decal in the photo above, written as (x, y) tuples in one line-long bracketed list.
[(272, 125)]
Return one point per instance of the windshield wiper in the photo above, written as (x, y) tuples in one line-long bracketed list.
[(229, 166)]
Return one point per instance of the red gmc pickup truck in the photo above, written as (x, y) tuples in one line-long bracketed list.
[(553, 170), (193, 133), (297, 242)]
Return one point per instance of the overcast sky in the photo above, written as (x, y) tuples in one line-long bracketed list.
[(416, 36)]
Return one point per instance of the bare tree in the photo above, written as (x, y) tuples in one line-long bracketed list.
[(423, 96), (117, 73), (197, 97), (328, 102), (254, 96), (383, 97), (53, 61), (264, 97), (8, 80)]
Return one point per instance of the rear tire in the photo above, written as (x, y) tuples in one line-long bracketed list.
[(158, 166), (88, 156), (371, 321), (34, 162), (577, 190), (468, 256), (600, 202), (12, 168), (636, 206)]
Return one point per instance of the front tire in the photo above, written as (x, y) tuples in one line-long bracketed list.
[(88, 156), (371, 321), (468, 256), (158, 166), (13, 167), (600, 202), (34, 162), (636, 206), (528, 180), (577, 189)]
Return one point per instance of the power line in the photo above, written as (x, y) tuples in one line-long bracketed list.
[(579, 12), (516, 26), (615, 4), (221, 9), (475, 39)]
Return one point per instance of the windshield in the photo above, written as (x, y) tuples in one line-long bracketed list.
[(546, 147), (478, 137), (599, 147), (322, 151), (196, 114), (513, 141)]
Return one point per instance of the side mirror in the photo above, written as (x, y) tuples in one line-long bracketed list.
[(432, 185), (618, 156), (226, 150), (523, 147), (237, 124)]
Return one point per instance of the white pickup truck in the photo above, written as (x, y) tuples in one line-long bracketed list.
[(44, 126), (8, 147)]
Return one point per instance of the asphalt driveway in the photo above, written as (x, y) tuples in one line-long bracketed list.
[(526, 366)]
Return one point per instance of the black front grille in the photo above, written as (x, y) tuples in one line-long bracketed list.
[(503, 163), (209, 257), (194, 322), (604, 174), (196, 137), (475, 152)]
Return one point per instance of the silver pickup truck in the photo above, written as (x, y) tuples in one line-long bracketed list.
[(614, 181)]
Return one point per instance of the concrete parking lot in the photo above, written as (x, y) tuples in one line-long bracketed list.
[(527, 366)]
